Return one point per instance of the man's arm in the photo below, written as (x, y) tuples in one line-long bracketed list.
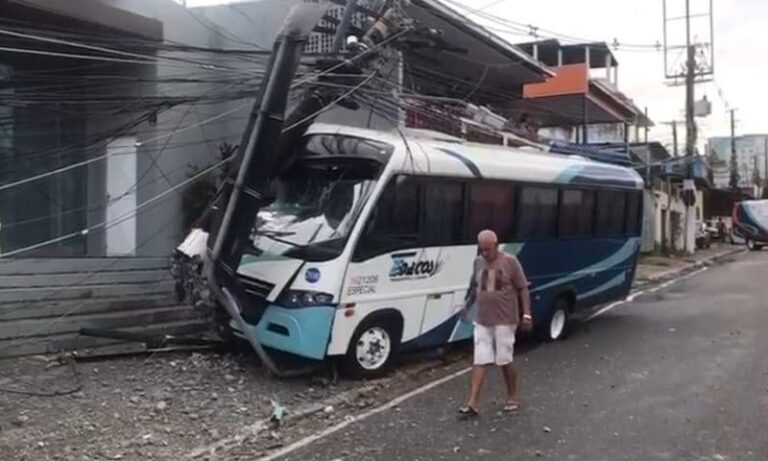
[(524, 294)]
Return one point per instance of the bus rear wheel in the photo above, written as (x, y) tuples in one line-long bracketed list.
[(373, 348), (555, 324), (752, 246)]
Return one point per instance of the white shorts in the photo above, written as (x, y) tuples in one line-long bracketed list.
[(494, 344)]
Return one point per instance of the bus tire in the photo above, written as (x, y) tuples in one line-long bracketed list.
[(554, 326), (373, 347)]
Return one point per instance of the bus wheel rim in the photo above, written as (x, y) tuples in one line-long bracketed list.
[(557, 325), (373, 348)]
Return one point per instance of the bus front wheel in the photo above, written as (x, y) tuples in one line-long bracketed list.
[(373, 348), (752, 246), (555, 324)]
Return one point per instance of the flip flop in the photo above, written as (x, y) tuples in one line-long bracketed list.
[(467, 412), (511, 407)]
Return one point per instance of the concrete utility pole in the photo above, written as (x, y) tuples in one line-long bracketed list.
[(734, 164), (646, 124), (674, 138), (693, 71), (690, 129), (765, 171)]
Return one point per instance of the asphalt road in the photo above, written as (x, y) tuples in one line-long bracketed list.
[(677, 374)]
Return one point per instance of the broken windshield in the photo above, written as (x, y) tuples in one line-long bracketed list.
[(318, 200)]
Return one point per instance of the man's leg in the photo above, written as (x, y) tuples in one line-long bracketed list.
[(476, 385), (510, 378), (483, 357), (505, 350)]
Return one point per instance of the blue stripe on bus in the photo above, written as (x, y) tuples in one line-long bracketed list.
[(469, 163)]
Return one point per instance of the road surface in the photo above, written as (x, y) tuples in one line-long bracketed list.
[(678, 374)]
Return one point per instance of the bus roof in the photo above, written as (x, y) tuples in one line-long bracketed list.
[(422, 152)]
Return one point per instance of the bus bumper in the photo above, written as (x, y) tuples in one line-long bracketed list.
[(303, 331)]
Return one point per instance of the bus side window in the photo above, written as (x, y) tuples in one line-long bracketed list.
[(634, 214), (537, 218), (611, 206), (394, 222), (443, 213), (492, 206)]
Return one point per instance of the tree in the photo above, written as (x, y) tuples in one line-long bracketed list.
[(198, 195)]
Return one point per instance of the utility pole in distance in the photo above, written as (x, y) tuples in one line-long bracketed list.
[(734, 163), (765, 171), (692, 71)]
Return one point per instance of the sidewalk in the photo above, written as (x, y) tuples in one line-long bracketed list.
[(652, 269)]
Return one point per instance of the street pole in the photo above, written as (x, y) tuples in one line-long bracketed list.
[(343, 27), (733, 167), (765, 171), (690, 123), (674, 138), (646, 124)]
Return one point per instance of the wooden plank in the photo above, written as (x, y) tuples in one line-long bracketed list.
[(35, 266), (73, 323), (71, 341), (95, 278), (86, 291), (43, 309)]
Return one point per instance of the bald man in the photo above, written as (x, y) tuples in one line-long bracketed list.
[(498, 285)]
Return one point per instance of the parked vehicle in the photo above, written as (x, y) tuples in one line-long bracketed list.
[(750, 223), (367, 248), (703, 236), (711, 227)]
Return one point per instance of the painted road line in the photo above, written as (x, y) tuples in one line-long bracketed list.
[(354, 419), (397, 401), (634, 295)]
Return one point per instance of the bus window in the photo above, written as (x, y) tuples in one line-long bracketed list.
[(443, 213), (394, 223), (492, 206), (577, 213), (634, 214), (610, 213), (537, 217)]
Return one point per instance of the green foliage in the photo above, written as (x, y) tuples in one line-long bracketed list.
[(198, 195)]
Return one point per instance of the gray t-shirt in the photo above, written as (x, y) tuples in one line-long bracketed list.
[(496, 286)]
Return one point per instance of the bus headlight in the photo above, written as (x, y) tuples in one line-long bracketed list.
[(302, 298)]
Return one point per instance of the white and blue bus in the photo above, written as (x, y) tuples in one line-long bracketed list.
[(367, 249)]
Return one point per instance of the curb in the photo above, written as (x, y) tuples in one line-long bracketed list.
[(666, 275)]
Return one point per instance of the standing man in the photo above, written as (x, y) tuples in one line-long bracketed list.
[(498, 285)]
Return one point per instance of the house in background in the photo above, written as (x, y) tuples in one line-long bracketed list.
[(582, 103)]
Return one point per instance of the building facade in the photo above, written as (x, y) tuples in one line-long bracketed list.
[(752, 160)]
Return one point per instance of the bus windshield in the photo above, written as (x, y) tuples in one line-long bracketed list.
[(318, 200)]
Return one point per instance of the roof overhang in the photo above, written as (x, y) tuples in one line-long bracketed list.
[(472, 56), (573, 98), (92, 12)]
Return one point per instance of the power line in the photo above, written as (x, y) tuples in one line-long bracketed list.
[(538, 32)]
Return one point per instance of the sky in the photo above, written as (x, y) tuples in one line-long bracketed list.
[(739, 41)]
